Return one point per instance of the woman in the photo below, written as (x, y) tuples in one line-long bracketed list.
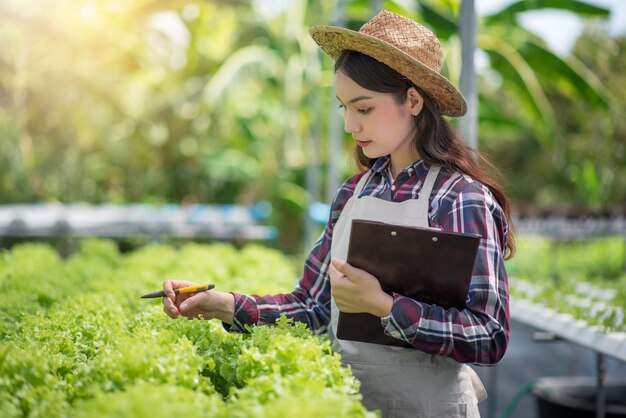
[(388, 81)]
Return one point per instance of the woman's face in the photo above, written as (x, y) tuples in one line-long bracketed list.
[(378, 123)]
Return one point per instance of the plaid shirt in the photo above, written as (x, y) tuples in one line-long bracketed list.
[(478, 334)]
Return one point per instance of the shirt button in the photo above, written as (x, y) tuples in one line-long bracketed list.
[(393, 187), (410, 170)]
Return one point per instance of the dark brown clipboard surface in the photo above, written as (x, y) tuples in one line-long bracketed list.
[(425, 264)]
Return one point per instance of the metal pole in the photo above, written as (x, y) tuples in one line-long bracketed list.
[(492, 399), (468, 124), (312, 173), (600, 389), (312, 180), (335, 137)]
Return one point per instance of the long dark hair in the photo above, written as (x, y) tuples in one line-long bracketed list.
[(435, 140)]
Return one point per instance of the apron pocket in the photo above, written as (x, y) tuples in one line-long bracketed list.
[(406, 409)]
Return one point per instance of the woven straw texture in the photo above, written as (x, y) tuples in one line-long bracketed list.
[(404, 45)]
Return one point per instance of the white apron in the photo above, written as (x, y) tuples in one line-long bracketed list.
[(402, 382)]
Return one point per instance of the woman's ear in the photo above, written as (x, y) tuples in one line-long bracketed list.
[(415, 101)]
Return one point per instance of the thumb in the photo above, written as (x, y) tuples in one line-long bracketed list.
[(342, 266), (190, 303)]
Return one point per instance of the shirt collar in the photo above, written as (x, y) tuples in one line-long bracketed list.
[(382, 163)]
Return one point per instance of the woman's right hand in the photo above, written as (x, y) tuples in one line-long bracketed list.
[(208, 304)]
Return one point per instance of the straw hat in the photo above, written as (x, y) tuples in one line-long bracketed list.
[(402, 44)]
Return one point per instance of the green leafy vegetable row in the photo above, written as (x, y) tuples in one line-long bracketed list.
[(76, 340), (586, 279)]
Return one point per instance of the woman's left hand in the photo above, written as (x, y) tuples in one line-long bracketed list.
[(355, 290)]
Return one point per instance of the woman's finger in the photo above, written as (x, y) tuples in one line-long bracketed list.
[(170, 311)]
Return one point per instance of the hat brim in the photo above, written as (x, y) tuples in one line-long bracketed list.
[(333, 40)]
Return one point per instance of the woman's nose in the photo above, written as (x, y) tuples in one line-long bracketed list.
[(350, 124)]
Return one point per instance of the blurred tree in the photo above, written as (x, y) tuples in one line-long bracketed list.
[(520, 64), (159, 101), (527, 96), (67, 72), (596, 138), (585, 171)]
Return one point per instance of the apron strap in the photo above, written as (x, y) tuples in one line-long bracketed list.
[(427, 188), (361, 184)]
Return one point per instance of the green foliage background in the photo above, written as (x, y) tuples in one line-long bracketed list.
[(230, 102)]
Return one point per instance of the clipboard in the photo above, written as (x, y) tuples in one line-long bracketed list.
[(424, 264)]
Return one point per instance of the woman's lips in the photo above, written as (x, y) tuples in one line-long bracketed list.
[(363, 144)]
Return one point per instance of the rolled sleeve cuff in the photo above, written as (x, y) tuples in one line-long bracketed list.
[(246, 313), (389, 323)]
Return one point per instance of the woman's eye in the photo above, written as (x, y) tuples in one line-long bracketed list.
[(364, 111)]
